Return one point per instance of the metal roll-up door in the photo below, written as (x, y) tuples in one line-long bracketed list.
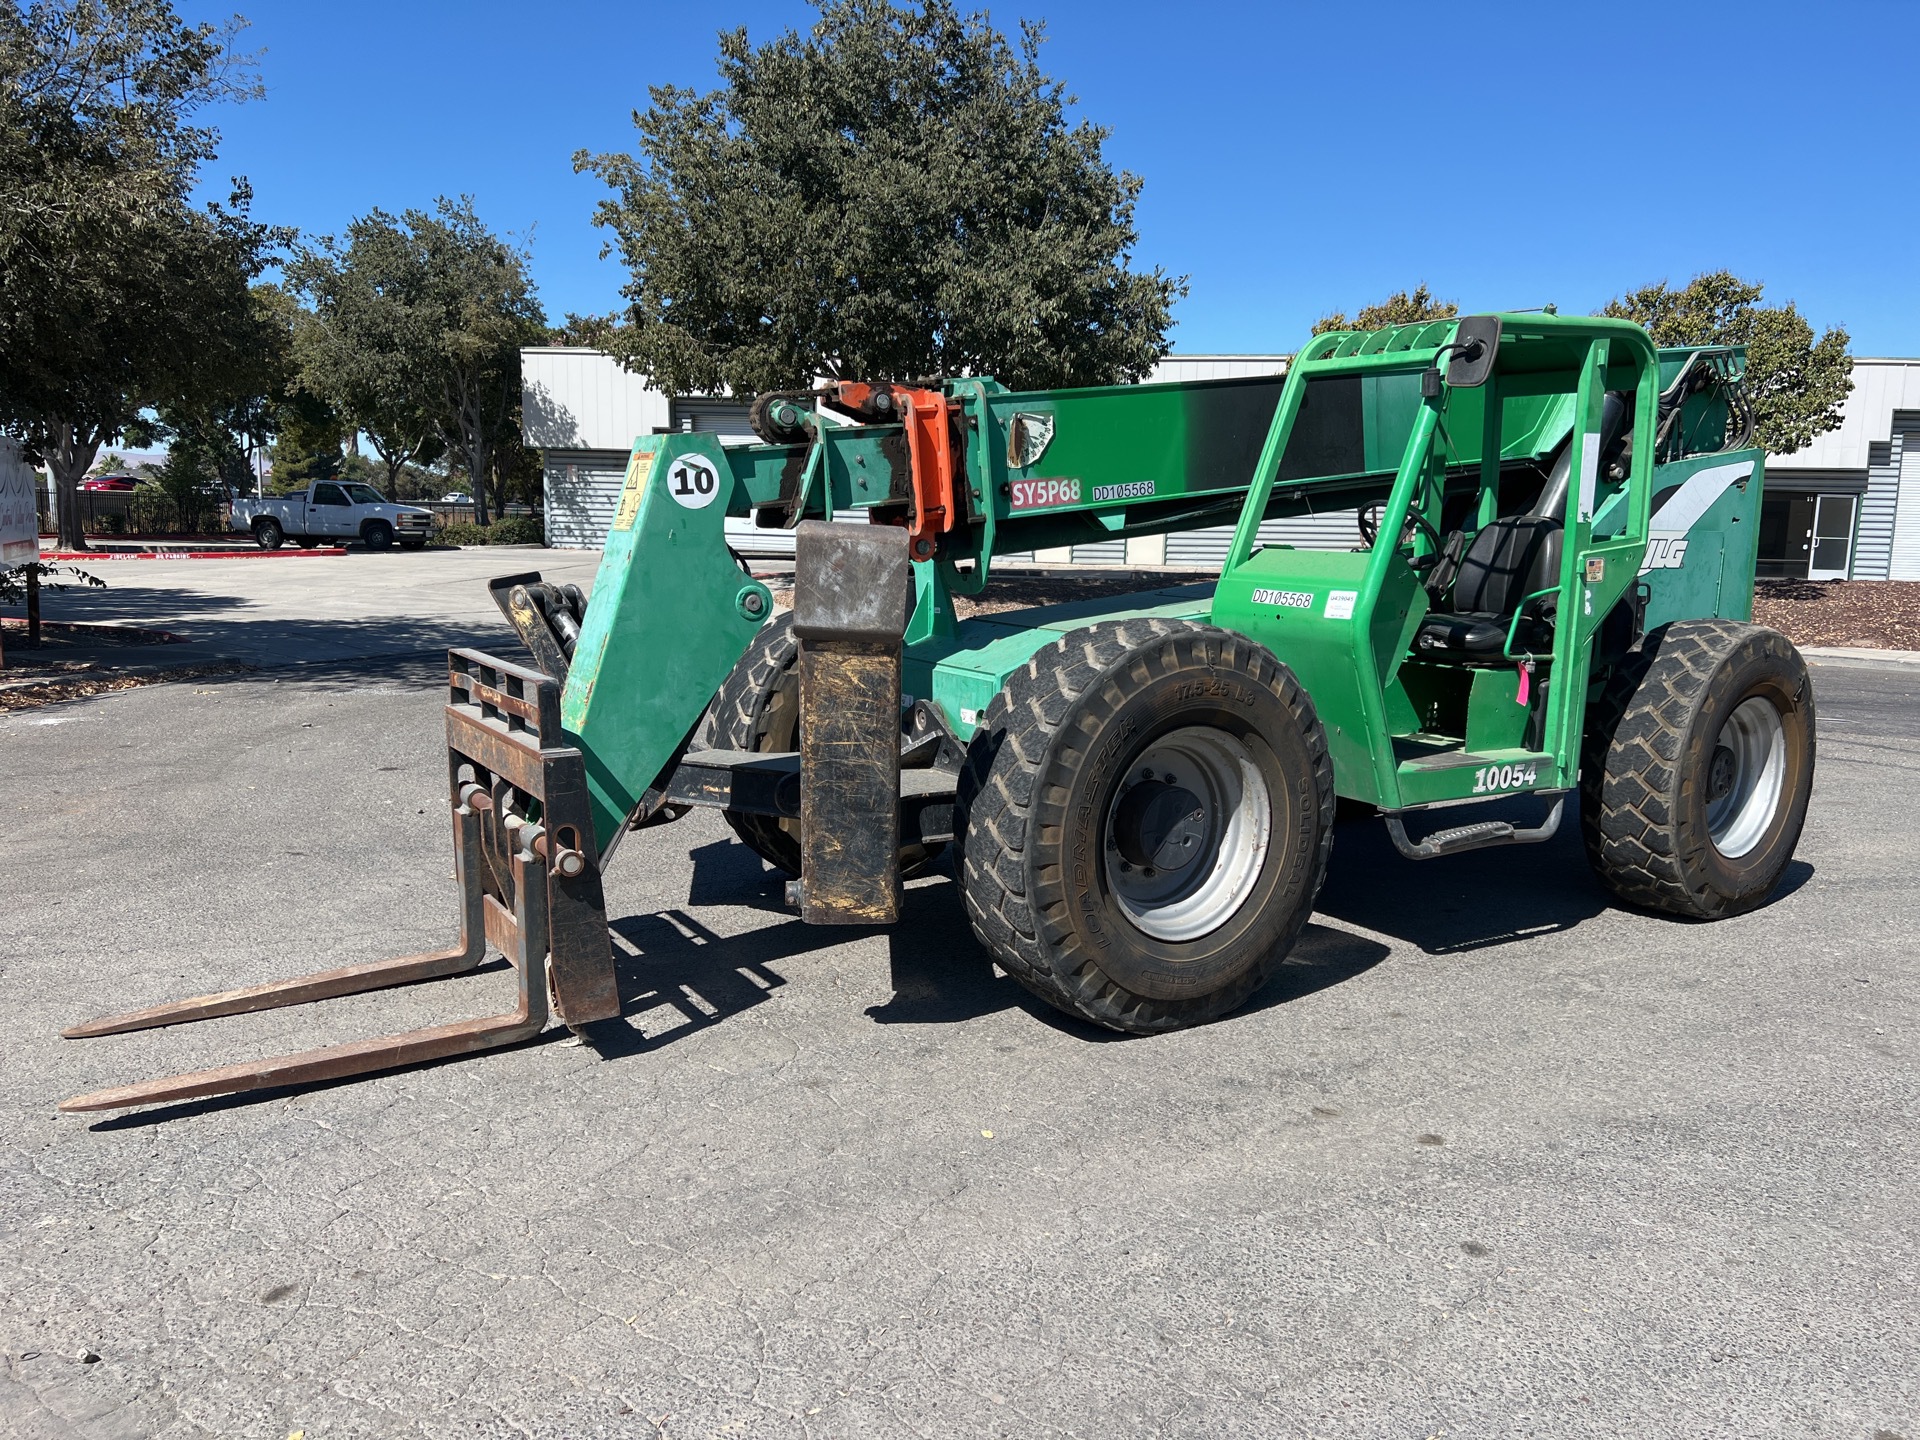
[(1100, 552), (1207, 549), (710, 416), (1200, 549), (1334, 530), (582, 489)]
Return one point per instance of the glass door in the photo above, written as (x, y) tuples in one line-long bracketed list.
[(1832, 554)]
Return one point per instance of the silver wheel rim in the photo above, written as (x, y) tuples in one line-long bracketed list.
[(1746, 774), (1212, 858)]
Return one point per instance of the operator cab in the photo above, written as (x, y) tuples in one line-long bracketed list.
[(1501, 583)]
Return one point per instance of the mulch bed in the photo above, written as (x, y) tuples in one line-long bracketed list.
[(65, 684), (1871, 614)]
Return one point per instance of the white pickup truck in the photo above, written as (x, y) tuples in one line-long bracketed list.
[(333, 512)]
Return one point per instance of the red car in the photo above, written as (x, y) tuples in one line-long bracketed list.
[(108, 482)]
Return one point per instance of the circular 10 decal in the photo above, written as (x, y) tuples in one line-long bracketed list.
[(693, 482)]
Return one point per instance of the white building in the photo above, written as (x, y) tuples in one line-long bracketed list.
[(1846, 506), (582, 411)]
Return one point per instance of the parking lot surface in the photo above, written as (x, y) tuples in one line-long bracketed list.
[(1489, 1158), (292, 608)]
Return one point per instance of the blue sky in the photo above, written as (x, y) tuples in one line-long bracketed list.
[(1298, 157)]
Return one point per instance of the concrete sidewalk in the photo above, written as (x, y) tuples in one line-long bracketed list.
[(1862, 655)]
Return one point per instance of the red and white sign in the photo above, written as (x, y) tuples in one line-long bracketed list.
[(19, 522), (1042, 494)]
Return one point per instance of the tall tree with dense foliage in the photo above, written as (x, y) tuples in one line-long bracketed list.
[(1797, 383), (117, 296), (357, 348), (1403, 307), (415, 336), (897, 193)]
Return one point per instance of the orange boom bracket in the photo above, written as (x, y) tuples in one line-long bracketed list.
[(927, 416)]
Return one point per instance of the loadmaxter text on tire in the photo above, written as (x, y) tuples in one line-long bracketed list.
[(1145, 819), (1698, 767)]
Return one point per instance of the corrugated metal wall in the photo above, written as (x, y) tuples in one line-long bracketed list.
[(1873, 543), (1207, 549), (725, 418), (1903, 561), (582, 489)]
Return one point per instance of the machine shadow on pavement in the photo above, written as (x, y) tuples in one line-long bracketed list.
[(940, 975), (1481, 899)]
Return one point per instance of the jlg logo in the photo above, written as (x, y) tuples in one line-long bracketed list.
[(1665, 553), (1034, 494)]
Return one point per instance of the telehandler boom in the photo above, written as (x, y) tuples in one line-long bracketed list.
[(1549, 591)]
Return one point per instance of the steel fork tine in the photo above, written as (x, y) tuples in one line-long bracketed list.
[(349, 979), (521, 936), (334, 1062)]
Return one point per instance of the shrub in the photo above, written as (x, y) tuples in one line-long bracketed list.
[(514, 530), (517, 530)]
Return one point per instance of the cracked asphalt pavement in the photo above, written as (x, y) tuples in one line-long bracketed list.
[(1491, 1158)]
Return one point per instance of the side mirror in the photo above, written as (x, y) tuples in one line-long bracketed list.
[(1475, 343)]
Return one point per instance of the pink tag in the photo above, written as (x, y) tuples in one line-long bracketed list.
[(1526, 676)]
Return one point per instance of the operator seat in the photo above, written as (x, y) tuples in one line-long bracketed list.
[(1511, 558)]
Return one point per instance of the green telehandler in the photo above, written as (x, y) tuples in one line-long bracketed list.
[(1548, 592)]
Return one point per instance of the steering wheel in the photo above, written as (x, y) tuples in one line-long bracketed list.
[(1367, 518)]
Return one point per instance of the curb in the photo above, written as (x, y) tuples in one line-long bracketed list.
[(1862, 655), (92, 555)]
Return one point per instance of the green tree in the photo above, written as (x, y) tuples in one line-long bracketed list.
[(1796, 383), (896, 194), (117, 297), (592, 332), (421, 319), (1403, 307), (245, 396), (357, 348)]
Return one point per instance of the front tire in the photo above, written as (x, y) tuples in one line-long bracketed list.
[(378, 534), (1698, 767), (758, 709), (1145, 820), (268, 535)]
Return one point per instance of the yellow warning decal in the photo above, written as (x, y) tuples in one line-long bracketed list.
[(638, 469)]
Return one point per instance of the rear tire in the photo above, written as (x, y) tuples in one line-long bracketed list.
[(1145, 902), (757, 708), (268, 535), (1698, 767)]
